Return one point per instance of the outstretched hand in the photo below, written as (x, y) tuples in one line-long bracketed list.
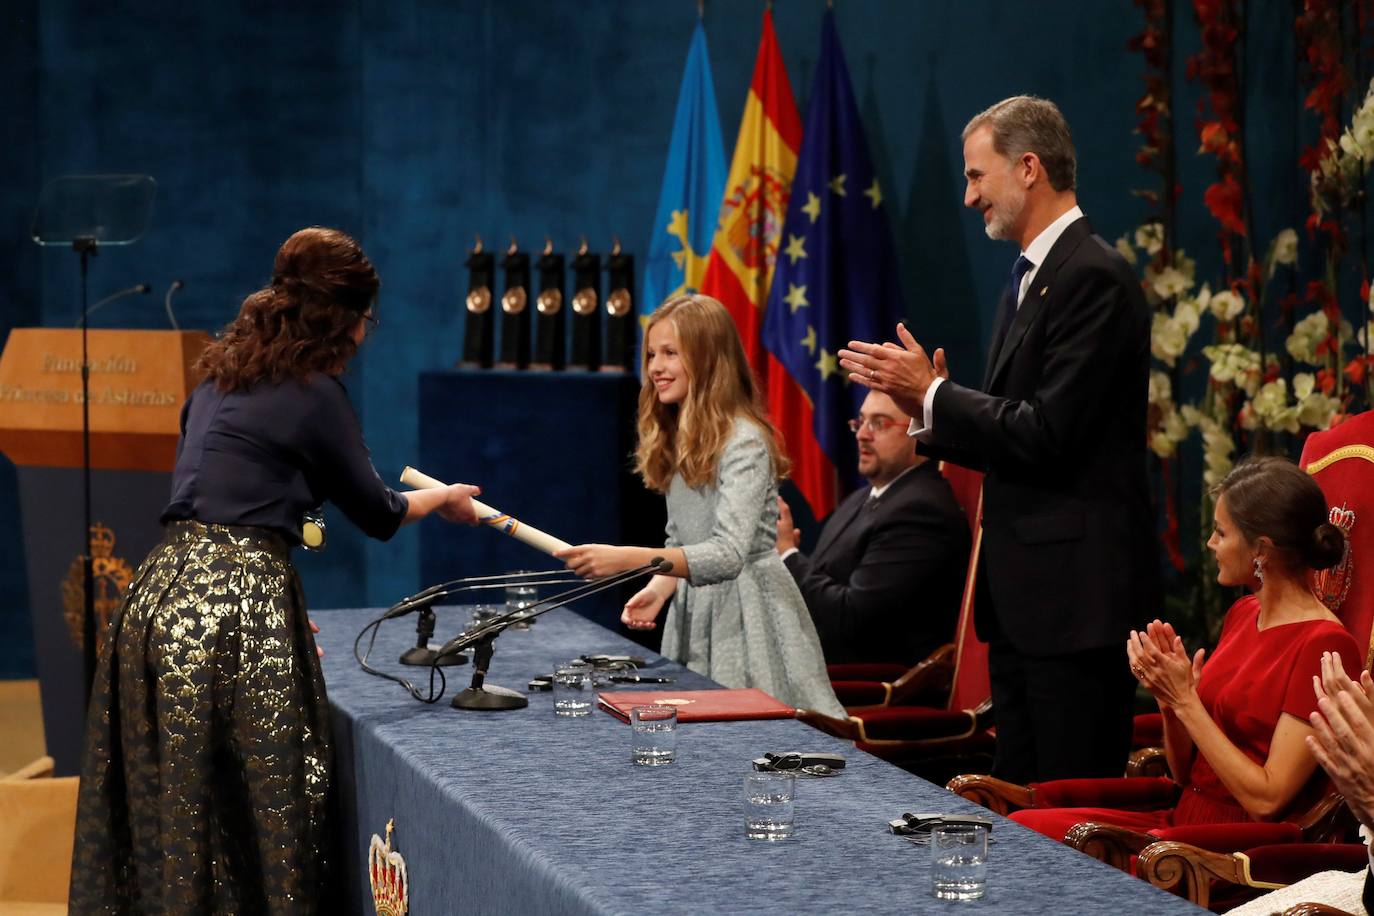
[(457, 506), (596, 561), (904, 373), (641, 611)]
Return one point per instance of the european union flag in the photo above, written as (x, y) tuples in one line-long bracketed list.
[(693, 184), (836, 278)]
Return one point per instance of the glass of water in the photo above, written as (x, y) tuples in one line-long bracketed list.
[(483, 614), (519, 597), (770, 805), (572, 691), (653, 731), (959, 861)]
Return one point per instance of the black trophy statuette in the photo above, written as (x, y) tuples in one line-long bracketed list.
[(586, 319), (550, 318), (515, 313), (620, 311), (479, 327)]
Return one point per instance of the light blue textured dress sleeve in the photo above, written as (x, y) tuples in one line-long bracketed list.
[(744, 481)]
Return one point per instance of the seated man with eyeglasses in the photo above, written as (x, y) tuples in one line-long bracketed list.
[(886, 577)]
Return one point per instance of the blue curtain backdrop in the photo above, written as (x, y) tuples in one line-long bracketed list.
[(415, 123)]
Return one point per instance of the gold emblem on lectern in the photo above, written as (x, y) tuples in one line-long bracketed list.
[(618, 303), (386, 870), (513, 302), (111, 576), (550, 301), (584, 301), (479, 300)]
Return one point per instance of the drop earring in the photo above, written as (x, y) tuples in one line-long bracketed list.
[(1259, 570)]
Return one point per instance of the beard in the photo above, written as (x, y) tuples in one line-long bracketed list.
[(1005, 213)]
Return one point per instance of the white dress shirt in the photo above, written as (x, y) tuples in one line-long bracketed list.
[(1035, 252)]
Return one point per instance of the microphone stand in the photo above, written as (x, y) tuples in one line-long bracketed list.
[(480, 696), (85, 245), (421, 654)]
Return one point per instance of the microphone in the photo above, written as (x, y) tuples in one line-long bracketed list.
[(139, 288), (167, 303), (433, 593), (493, 628), (480, 696)]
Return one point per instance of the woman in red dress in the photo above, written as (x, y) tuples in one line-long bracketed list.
[(1235, 728)]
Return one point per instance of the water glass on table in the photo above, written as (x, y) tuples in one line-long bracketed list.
[(959, 861), (572, 691), (483, 614), (653, 731), (519, 597), (770, 805)]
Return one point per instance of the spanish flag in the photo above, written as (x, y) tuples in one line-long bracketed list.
[(749, 225)]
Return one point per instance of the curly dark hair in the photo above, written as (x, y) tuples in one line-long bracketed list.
[(304, 321)]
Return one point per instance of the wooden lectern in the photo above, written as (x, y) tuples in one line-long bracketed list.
[(139, 381)]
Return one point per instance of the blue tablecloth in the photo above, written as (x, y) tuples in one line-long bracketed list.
[(524, 812)]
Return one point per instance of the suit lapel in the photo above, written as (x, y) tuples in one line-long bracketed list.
[(844, 517), (999, 334), (1041, 287)]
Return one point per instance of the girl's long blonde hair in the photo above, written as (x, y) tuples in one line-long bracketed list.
[(687, 438)]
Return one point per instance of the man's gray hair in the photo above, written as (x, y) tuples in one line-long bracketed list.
[(1026, 124)]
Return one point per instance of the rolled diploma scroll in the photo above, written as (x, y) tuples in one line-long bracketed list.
[(489, 516)]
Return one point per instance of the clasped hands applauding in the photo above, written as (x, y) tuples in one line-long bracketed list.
[(903, 372), (1342, 736), (1159, 662)]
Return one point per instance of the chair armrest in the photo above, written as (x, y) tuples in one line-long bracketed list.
[(993, 793), (1188, 871), (847, 729), (1106, 843), (1314, 909), (1327, 821), (928, 682), (1147, 761)]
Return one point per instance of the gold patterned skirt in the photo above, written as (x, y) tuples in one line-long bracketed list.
[(206, 781)]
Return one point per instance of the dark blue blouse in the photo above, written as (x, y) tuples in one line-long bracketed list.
[(265, 455)]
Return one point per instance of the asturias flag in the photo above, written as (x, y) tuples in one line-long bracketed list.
[(693, 182), (836, 281), (749, 226)]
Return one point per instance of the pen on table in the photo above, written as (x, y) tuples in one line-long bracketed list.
[(639, 679)]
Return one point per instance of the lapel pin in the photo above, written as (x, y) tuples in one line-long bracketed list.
[(1043, 290)]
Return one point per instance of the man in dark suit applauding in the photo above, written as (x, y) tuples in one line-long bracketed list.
[(886, 577), (1068, 563)]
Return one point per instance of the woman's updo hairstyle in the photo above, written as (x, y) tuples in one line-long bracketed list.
[(1274, 498), (304, 320)]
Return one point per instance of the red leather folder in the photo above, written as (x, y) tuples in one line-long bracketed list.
[(721, 705)]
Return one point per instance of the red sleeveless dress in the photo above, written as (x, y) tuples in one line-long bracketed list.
[(1251, 679)]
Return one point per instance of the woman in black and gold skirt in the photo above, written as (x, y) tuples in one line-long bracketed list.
[(207, 780)]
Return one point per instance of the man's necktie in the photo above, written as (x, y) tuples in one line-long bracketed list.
[(1019, 270), (1018, 273), (871, 503)]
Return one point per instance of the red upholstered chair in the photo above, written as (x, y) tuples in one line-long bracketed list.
[(1341, 461), (928, 682), (899, 731), (1223, 880), (1327, 821)]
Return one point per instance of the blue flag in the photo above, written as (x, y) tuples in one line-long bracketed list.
[(836, 280), (693, 185)]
